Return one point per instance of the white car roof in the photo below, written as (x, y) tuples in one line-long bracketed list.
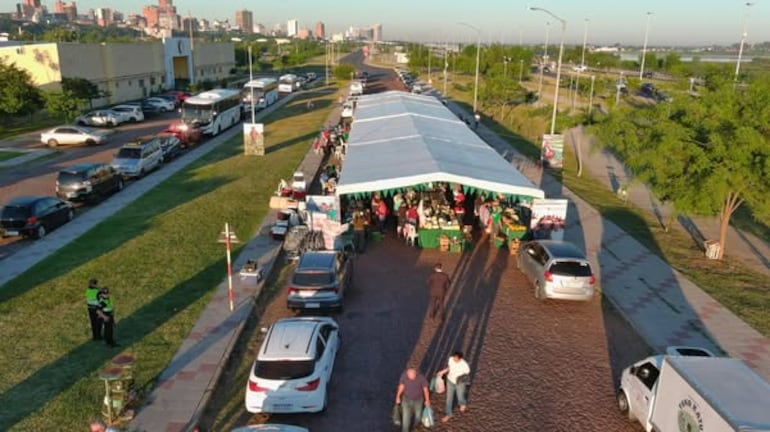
[(292, 339)]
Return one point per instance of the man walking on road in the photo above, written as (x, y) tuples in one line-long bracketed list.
[(92, 302), (411, 394), (438, 286), (457, 373)]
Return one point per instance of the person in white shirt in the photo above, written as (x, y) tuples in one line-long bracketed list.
[(457, 377)]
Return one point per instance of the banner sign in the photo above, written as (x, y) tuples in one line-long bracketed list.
[(326, 204), (549, 217), (253, 139), (552, 153)]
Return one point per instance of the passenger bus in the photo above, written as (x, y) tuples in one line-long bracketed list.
[(288, 83), (213, 111), (264, 91)]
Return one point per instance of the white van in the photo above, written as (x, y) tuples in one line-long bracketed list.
[(288, 83), (134, 160), (356, 88), (695, 393)]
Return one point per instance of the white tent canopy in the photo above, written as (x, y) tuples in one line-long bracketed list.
[(400, 140)]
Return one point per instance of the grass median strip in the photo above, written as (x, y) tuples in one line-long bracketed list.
[(742, 290), (161, 260), (8, 155)]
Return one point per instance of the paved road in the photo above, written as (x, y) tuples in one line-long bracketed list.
[(537, 366), (39, 177)]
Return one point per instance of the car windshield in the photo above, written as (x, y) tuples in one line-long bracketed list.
[(129, 153), (192, 112), (571, 268), (311, 279), (70, 177), (15, 212), (283, 369)]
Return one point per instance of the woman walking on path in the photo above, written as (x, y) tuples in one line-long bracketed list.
[(457, 377)]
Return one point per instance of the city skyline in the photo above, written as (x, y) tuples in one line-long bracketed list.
[(672, 23)]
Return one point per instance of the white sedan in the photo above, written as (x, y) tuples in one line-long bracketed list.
[(72, 135), (99, 118), (162, 104)]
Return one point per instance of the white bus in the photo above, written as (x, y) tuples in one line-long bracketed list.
[(288, 83), (213, 111), (264, 91)]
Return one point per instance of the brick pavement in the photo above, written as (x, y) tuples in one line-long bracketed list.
[(664, 306), (184, 388)]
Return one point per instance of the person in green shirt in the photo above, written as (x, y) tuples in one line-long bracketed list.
[(92, 303)]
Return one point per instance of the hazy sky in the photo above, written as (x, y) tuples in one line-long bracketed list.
[(691, 22)]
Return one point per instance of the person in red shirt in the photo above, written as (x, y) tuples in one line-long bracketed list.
[(382, 215)]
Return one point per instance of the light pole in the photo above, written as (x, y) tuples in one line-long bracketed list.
[(582, 62), (743, 41), (558, 64), (446, 66), (478, 56), (644, 47), (521, 70), (251, 87), (505, 66), (591, 95), (545, 58), (228, 237)]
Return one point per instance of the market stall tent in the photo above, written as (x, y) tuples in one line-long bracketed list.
[(400, 140)]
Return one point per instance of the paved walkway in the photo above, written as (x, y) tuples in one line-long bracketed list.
[(665, 307), (21, 261), (184, 388), (602, 165)]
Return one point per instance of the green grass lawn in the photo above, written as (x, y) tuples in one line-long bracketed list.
[(744, 291), (159, 256), (20, 126), (8, 155)]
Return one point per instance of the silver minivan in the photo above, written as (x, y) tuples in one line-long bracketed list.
[(137, 159), (557, 269)]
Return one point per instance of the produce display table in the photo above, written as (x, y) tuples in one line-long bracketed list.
[(514, 232), (429, 237)]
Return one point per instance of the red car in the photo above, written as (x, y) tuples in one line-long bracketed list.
[(179, 95), (188, 134)]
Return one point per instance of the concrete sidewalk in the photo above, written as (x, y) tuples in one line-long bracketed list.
[(185, 387), (665, 307)]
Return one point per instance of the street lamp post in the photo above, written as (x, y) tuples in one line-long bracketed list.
[(478, 57), (521, 70), (582, 62), (644, 47), (743, 41), (446, 66), (505, 66), (228, 237), (558, 65), (591, 95), (545, 58)]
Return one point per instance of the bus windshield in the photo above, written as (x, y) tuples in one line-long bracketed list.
[(201, 113)]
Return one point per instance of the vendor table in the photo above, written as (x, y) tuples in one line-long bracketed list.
[(429, 237), (514, 232)]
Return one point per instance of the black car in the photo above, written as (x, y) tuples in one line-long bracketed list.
[(88, 182), (34, 216), (170, 144)]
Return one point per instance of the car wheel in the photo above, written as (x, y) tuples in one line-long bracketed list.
[(119, 185), (70, 215), (141, 173), (162, 109), (623, 404), (539, 292), (90, 142), (40, 232), (52, 143)]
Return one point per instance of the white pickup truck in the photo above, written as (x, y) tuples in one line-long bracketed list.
[(356, 88), (681, 393)]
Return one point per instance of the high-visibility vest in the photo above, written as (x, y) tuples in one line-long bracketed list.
[(92, 296), (106, 305)]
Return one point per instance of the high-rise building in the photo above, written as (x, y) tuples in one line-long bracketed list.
[(32, 3), (292, 27), (320, 30), (188, 22), (151, 15), (71, 10), (304, 33), (244, 19), (104, 17), (377, 32), (58, 7), (260, 29)]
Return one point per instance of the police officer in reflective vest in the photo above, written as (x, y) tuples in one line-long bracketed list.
[(106, 312), (92, 301)]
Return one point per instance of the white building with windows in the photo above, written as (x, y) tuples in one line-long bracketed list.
[(292, 28)]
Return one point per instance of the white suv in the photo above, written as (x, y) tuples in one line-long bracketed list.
[(293, 366), (129, 113)]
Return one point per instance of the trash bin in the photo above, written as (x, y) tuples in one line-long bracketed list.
[(712, 249)]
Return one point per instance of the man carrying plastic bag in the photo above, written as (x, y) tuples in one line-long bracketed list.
[(411, 394)]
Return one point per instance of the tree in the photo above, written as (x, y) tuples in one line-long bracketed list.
[(62, 104), (82, 89), (18, 95), (344, 72), (706, 155)]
